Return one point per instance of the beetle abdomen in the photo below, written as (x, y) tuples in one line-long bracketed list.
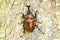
[(29, 25)]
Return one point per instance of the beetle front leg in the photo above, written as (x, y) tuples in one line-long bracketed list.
[(36, 15), (22, 15), (39, 29)]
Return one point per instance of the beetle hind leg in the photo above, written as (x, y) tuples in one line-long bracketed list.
[(39, 22), (39, 29)]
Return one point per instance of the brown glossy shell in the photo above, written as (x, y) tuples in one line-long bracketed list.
[(29, 22), (29, 26)]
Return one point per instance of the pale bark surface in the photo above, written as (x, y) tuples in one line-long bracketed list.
[(13, 17)]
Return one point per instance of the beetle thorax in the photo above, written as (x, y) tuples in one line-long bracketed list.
[(29, 16), (29, 20)]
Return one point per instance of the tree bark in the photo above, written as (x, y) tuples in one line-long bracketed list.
[(46, 15)]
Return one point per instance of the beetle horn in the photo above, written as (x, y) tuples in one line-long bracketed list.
[(28, 8)]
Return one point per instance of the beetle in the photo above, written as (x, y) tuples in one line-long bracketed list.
[(30, 21)]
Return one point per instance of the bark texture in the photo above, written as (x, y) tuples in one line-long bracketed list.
[(46, 15)]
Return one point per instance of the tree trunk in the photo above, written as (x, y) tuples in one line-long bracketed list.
[(46, 15)]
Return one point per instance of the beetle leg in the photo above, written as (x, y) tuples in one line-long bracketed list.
[(22, 15), (39, 29), (24, 29), (36, 15), (39, 22), (22, 21)]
